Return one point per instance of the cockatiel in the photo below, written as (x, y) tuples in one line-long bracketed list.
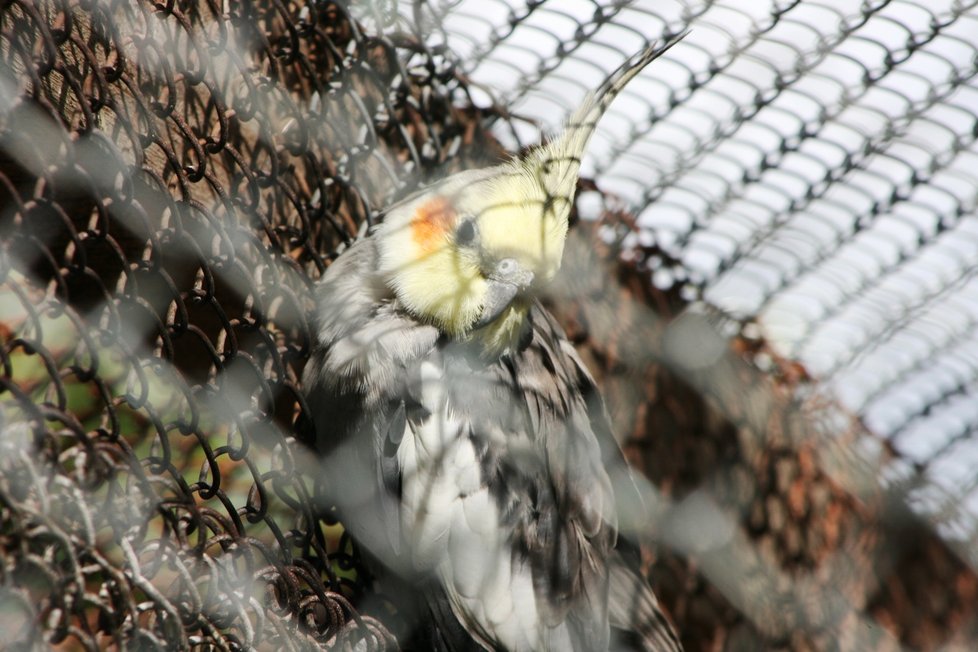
[(462, 438)]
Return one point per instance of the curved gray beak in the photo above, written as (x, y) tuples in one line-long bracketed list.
[(506, 280)]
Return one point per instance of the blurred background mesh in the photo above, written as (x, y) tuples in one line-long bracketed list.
[(772, 273)]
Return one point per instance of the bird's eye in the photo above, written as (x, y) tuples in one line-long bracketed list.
[(506, 266), (466, 233)]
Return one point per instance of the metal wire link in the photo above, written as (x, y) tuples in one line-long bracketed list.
[(172, 180), (175, 176)]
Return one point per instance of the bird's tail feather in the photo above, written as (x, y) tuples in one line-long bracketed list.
[(637, 621)]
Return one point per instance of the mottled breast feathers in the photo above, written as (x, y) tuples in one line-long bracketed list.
[(488, 475)]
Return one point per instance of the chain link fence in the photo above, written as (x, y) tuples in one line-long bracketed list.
[(771, 274)]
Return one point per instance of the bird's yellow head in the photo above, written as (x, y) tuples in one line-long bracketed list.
[(464, 253)]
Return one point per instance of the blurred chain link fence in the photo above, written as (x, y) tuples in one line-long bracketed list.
[(774, 282)]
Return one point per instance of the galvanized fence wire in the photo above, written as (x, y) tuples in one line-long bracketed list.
[(175, 176), (807, 168)]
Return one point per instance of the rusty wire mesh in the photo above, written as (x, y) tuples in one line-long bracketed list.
[(175, 176)]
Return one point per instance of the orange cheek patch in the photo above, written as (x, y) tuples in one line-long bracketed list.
[(431, 222)]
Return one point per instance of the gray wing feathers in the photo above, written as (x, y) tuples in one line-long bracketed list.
[(632, 606), (573, 531), (359, 400)]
